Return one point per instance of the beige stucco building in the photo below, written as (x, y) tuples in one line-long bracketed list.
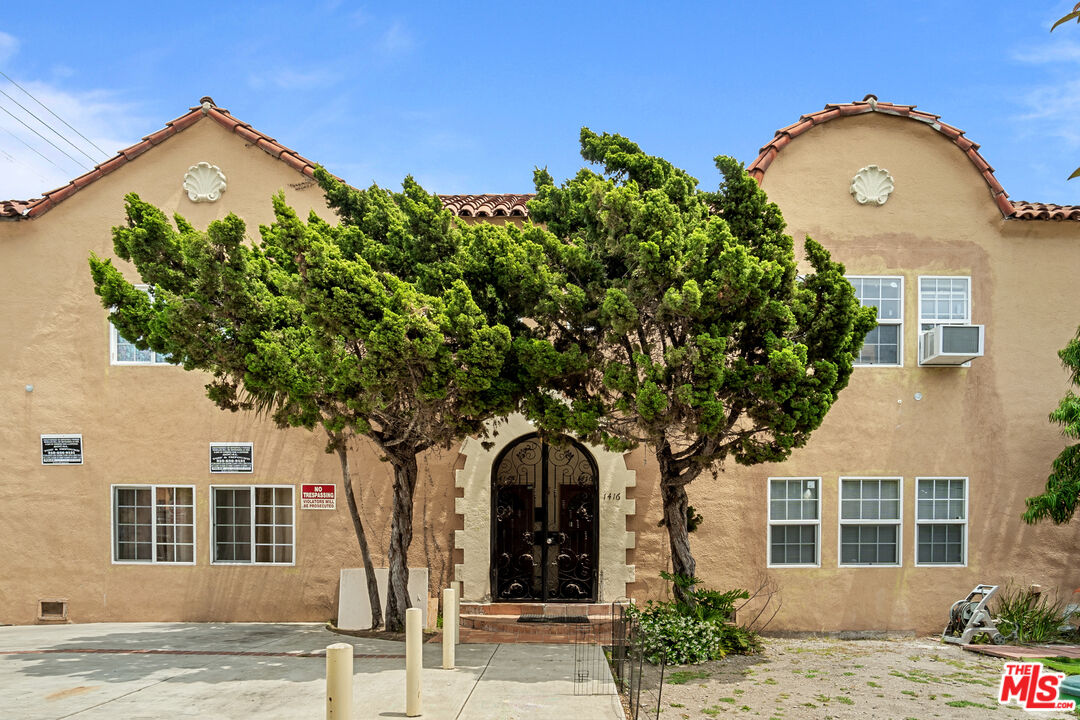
[(908, 496)]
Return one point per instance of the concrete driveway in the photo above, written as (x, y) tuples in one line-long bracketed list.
[(247, 670)]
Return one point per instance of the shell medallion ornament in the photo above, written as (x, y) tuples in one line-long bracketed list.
[(204, 182), (872, 185)]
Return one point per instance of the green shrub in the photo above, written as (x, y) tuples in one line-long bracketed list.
[(1028, 616), (693, 632)]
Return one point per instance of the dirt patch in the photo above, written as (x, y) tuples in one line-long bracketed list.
[(826, 678)]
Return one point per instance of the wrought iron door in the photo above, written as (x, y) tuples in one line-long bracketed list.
[(545, 506)]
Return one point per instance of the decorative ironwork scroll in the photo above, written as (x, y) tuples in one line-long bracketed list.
[(545, 510)]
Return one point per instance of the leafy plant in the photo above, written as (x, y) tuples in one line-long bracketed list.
[(696, 629), (1061, 497), (702, 603), (1029, 616)]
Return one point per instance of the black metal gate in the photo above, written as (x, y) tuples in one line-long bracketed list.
[(545, 507)]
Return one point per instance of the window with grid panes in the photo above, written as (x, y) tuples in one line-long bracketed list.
[(870, 521), (122, 352), (154, 523), (794, 520), (941, 521), (884, 344), (944, 301), (253, 524)]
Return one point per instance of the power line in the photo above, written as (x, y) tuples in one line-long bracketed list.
[(43, 138), (51, 128), (54, 114), (15, 161), (32, 148)]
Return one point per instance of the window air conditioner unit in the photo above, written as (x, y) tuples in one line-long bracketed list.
[(951, 344)]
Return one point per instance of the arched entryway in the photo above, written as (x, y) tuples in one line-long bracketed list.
[(544, 522)]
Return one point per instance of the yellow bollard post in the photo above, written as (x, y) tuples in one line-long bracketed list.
[(457, 585), (449, 623), (339, 676), (414, 661)]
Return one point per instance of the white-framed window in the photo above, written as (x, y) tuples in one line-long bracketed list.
[(153, 524), (944, 300), (870, 517), (941, 511), (122, 352), (794, 522), (884, 345), (252, 524)]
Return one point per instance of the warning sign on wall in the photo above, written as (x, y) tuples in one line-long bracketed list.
[(61, 449), (318, 497), (237, 457)]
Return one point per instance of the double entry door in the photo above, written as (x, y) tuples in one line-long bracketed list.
[(545, 505)]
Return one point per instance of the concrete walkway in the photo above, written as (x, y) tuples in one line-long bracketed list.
[(254, 670)]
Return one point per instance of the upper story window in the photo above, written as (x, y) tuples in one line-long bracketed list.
[(944, 301), (884, 345), (122, 352), (794, 521)]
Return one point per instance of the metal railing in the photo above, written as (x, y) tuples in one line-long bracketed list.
[(608, 664)]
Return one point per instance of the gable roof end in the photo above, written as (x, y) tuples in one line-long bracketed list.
[(19, 209), (1009, 209)]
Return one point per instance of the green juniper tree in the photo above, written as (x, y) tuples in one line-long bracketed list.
[(679, 320), (313, 326), (1062, 495)]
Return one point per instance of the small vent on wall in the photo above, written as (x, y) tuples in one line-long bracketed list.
[(52, 610)]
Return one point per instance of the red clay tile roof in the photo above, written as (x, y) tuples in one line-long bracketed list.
[(1045, 211), (495, 205), (1018, 211), (39, 206), (487, 205)]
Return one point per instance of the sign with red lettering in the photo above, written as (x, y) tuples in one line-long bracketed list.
[(318, 497)]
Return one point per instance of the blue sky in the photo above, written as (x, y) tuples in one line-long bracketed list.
[(470, 97)]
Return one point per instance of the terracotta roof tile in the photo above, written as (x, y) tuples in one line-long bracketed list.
[(487, 205), (185, 121), (162, 134), (136, 150), (1045, 211), (511, 205), (17, 209), (1018, 211)]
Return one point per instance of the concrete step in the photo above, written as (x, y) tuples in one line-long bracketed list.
[(554, 634), (536, 608)]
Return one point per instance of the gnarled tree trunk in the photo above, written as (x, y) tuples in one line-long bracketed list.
[(673, 494), (397, 601), (361, 537)]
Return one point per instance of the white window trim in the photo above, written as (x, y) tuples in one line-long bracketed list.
[(213, 525), (114, 337), (970, 301), (153, 519), (899, 322), (841, 522), (771, 523), (922, 321), (964, 522)]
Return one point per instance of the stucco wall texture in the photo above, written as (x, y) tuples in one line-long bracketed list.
[(152, 424)]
